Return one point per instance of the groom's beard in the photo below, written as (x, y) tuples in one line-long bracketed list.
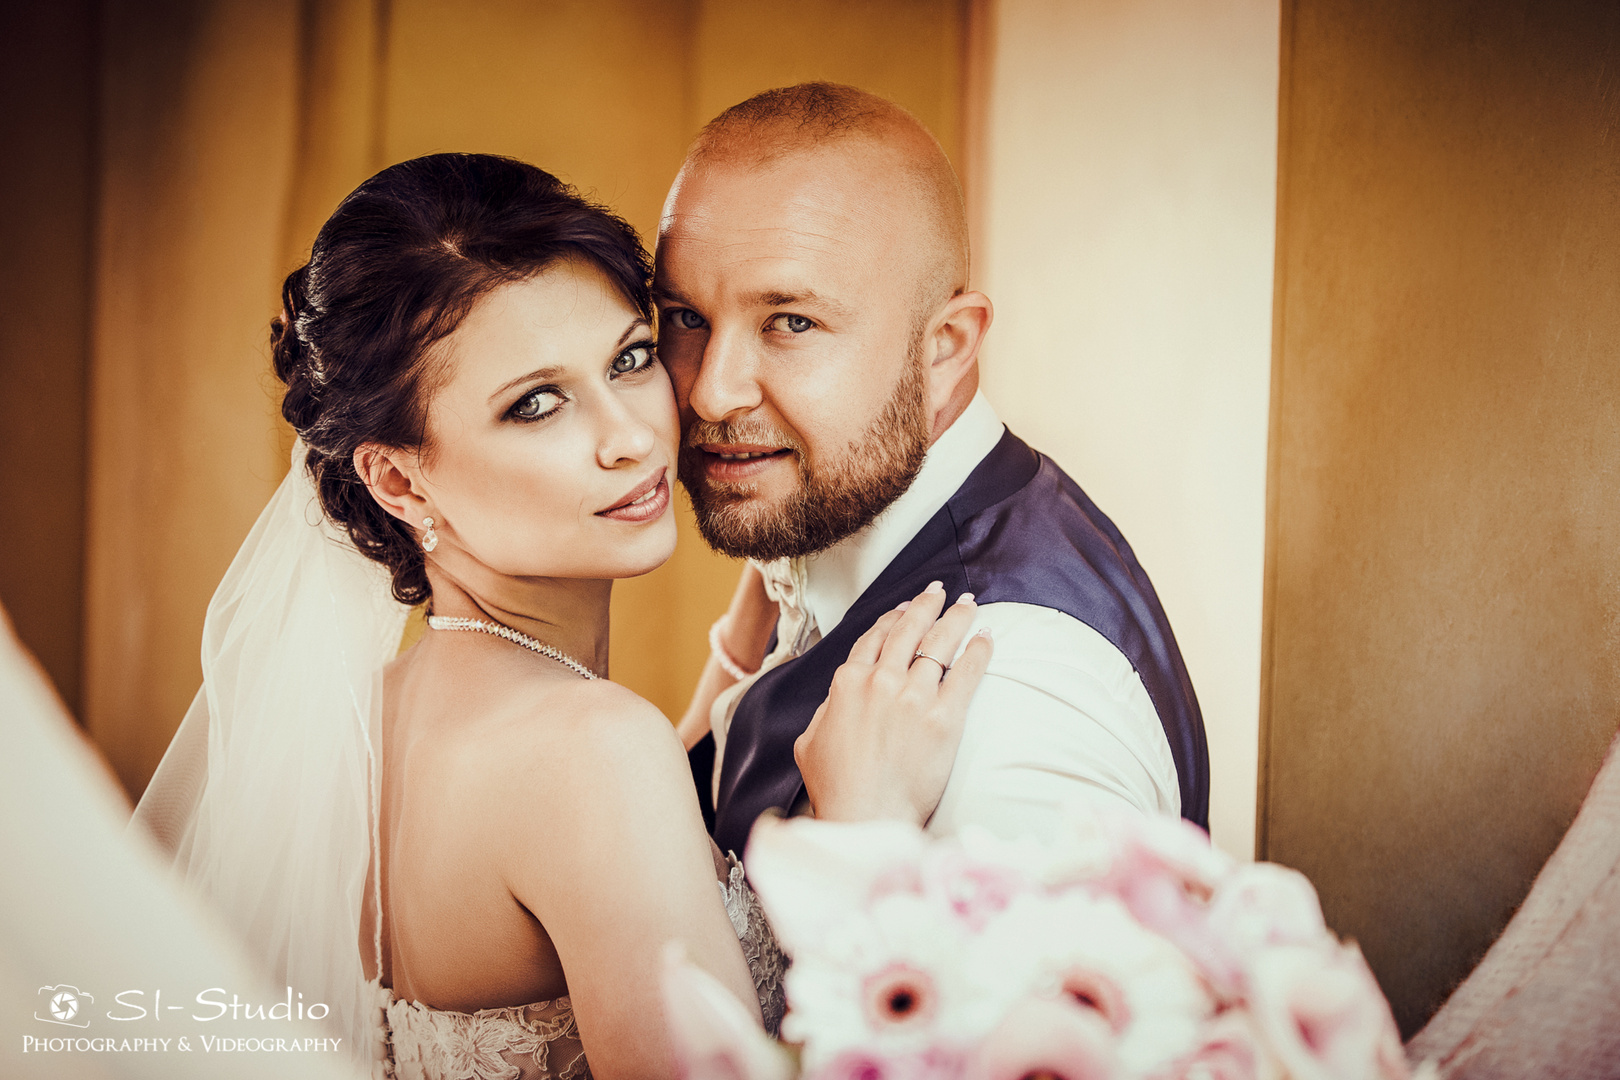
[(835, 498)]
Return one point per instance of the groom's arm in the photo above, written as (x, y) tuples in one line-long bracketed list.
[(1060, 715)]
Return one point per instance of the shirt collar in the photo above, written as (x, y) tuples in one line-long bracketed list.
[(832, 580)]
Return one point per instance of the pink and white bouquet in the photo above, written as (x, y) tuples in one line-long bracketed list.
[(1129, 948)]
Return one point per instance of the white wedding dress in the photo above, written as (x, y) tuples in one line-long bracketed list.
[(269, 800), (541, 1041)]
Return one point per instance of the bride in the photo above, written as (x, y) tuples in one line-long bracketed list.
[(474, 853)]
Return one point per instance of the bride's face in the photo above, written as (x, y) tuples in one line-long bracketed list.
[(552, 434)]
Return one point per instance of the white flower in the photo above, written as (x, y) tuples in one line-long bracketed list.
[(1231, 1049), (1264, 904), (1323, 1015), (887, 978), (932, 1064), (811, 874), (1101, 839), (1089, 949), (1047, 1037), (1182, 847), (977, 882), (1164, 870)]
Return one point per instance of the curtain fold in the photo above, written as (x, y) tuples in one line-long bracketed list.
[(229, 128)]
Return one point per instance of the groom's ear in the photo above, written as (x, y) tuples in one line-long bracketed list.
[(951, 355), (390, 479)]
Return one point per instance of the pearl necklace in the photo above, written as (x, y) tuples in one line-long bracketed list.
[(517, 637)]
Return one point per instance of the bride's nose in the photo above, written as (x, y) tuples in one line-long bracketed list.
[(625, 436)]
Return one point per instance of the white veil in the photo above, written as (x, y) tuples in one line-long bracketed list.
[(268, 795)]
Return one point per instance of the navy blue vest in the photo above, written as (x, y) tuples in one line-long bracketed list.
[(1017, 530)]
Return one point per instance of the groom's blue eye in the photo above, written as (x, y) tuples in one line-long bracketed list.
[(793, 324), (687, 319)]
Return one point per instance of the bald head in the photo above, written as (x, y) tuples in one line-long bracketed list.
[(814, 316), (843, 121)]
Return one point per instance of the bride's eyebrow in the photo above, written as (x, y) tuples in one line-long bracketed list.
[(638, 323), (538, 375), (542, 374)]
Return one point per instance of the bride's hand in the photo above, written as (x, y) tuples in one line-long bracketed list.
[(883, 743)]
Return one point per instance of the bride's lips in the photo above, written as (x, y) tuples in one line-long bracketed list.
[(739, 461), (647, 501)]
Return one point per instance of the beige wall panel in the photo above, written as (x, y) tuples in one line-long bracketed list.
[(1130, 167), (47, 191), (1445, 575), (197, 120)]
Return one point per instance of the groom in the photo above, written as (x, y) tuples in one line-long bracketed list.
[(812, 276)]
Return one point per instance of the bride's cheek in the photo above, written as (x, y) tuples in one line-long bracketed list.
[(657, 399)]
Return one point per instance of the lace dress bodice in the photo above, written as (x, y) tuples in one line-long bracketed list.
[(541, 1041)]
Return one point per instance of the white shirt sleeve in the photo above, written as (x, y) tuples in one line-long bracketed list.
[(1060, 715)]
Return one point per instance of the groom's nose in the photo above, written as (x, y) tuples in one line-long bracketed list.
[(727, 382)]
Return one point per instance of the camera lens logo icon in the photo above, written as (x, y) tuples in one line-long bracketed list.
[(65, 1005)]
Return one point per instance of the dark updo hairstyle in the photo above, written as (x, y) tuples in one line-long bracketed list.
[(396, 268)]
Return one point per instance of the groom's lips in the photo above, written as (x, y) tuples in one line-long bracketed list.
[(734, 462)]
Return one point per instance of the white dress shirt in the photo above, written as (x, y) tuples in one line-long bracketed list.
[(1061, 713)]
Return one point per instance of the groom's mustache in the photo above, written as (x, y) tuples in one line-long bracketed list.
[(740, 433)]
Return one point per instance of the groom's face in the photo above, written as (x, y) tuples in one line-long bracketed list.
[(790, 326)]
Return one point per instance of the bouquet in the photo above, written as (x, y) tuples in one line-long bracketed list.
[(1129, 948)]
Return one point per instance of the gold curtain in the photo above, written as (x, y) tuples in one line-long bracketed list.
[(230, 128), (47, 208), (199, 123)]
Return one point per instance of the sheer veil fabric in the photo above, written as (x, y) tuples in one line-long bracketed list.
[(268, 796)]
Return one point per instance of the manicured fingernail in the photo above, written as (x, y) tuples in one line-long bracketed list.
[(965, 598), (935, 586), (983, 631), (903, 605)]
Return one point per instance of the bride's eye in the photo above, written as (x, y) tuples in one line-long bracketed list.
[(632, 359), (793, 324), (537, 404)]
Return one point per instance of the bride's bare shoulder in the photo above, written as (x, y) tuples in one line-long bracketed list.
[(594, 768), (581, 733), (520, 743)]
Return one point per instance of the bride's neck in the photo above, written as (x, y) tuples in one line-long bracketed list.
[(570, 614)]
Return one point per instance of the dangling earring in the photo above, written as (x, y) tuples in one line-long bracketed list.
[(430, 539)]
